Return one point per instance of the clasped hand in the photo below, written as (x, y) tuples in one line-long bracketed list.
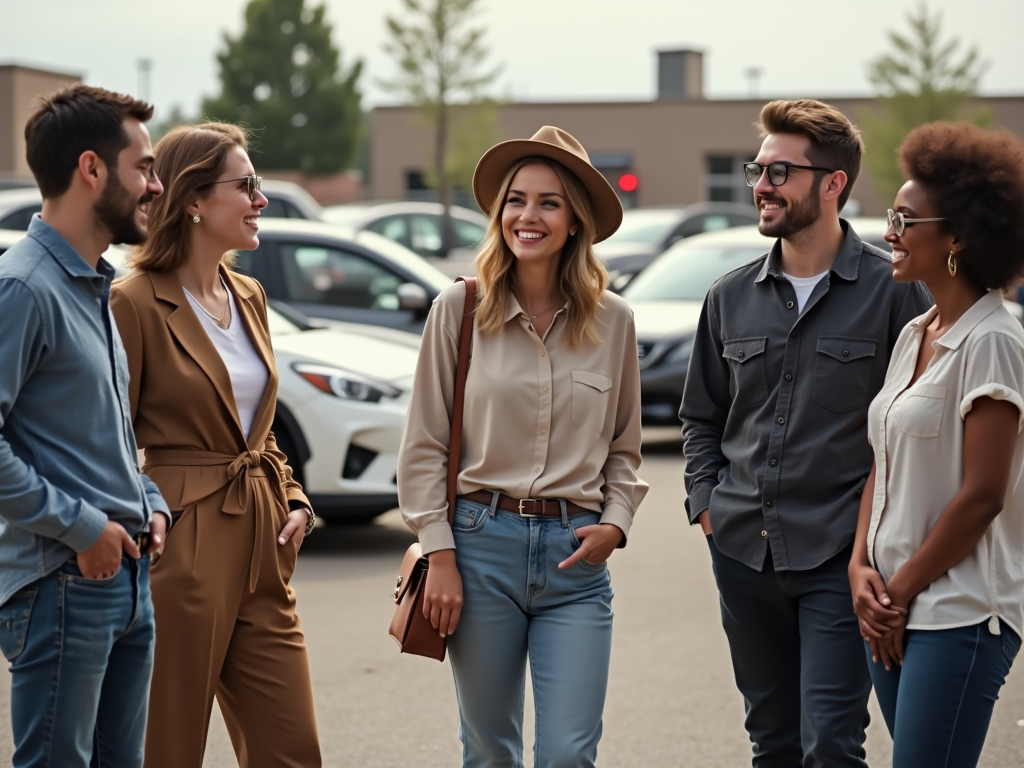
[(882, 621)]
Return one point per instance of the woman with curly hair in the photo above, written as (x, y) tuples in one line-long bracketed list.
[(938, 564), (550, 448)]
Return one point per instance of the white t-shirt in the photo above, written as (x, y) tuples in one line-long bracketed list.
[(248, 374), (917, 434), (803, 287)]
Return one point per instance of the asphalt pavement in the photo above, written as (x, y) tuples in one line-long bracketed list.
[(671, 700)]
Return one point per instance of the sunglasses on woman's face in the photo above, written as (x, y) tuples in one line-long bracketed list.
[(252, 184), (777, 172), (898, 222)]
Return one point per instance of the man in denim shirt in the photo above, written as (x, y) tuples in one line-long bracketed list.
[(77, 522), (790, 350)]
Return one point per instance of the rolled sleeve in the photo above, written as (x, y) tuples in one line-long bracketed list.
[(995, 369)]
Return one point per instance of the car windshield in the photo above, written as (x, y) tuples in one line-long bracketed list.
[(403, 257), (686, 273), (649, 227), (345, 215)]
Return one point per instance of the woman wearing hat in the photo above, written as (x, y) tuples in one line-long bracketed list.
[(550, 448)]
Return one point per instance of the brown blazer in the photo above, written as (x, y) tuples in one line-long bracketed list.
[(183, 408)]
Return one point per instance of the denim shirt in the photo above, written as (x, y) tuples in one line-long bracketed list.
[(67, 449)]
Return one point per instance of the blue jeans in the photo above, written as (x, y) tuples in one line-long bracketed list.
[(519, 605), (81, 653), (796, 653), (939, 703)]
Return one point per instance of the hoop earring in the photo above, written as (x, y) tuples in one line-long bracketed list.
[(951, 264), (195, 219)]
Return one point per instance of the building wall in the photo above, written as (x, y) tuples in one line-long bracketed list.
[(668, 141), (20, 90)]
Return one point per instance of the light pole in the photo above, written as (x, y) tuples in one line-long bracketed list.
[(754, 76), (144, 66)]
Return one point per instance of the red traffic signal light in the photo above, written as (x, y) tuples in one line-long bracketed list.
[(628, 182)]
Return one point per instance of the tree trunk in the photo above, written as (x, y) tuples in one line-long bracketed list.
[(443, 183)]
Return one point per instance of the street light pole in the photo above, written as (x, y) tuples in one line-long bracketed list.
[(144, 66)]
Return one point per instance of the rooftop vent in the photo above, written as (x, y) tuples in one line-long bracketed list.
[(680, 75)]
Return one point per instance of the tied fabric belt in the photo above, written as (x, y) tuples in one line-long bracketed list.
[(240, 473)]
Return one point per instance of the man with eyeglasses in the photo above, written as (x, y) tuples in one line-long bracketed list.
[(789, 352)]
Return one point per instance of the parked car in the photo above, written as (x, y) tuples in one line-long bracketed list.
[(647, 232), (8, 237), (333, 273), (667, 297), (285, 200), (416, 225)]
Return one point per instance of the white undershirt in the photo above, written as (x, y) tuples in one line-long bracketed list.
[(803, 287), (248, 374)]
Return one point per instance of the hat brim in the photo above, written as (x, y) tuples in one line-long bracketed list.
[(493, 166)]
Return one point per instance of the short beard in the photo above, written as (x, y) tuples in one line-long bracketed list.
[(797, 216), (115, 212)]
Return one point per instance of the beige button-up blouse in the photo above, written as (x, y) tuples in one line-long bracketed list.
[(542, 419), (917, 434)]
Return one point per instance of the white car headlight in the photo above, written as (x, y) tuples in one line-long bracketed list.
[(345, 384)]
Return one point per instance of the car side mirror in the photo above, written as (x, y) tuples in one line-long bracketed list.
[(412, 297)]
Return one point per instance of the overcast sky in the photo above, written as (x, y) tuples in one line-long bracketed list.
[(575, 50)]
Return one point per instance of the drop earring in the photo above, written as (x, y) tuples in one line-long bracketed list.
[(572, 231), (195, 219), (951, 264)]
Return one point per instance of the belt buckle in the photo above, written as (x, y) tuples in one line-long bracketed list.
[(526, 514)]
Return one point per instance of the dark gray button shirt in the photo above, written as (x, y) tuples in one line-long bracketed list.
[(775, 405)]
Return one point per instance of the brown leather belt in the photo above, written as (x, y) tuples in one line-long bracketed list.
[(528, 507)]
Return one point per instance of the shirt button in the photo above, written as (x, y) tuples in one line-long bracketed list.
[(764, 534), (773, 462), (789, 377), (543, 354), (769, 504), (740, 355), (536, 469), (789, 305), (543, 389), (781, 420), (846, 353)]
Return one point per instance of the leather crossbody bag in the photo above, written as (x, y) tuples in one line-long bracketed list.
[(414, 633)]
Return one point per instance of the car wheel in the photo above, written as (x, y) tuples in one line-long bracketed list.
[(286, 444)]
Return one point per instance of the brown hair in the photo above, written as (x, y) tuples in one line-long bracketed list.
[(582, 279), (188, 160), (77, 119), (975, 180), (835, 142)]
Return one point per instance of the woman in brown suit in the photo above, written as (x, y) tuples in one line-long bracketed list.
[(203, 388)]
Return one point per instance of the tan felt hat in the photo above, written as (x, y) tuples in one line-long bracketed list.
[(555, 144)]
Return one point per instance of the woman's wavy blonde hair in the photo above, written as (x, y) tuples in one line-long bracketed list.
[(582, 279), (188, 159)]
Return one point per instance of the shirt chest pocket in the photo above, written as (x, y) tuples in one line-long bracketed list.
[(920, 413), (842, 372), (590, 395), (746, 361)]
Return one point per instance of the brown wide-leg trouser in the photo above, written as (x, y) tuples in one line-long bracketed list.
[(227, 627)]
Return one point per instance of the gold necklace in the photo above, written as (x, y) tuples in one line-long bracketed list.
[(224, 321), (534, 317)]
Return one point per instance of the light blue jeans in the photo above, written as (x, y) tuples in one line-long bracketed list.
[(519, 605), (81, 653)]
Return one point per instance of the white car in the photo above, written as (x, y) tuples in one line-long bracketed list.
[(342, 396)]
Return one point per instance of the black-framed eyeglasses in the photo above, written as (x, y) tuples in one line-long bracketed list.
[(898, 222), (252, 184), (777, 172)]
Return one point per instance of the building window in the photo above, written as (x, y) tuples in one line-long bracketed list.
[(723, 180)]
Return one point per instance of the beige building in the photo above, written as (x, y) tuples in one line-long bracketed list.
[(20, 89), (681, 147)]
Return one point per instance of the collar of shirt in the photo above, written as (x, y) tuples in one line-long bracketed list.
[(846, 264), (68, 258), (955, 336)]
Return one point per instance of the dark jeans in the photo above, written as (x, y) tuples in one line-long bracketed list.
[(939, 703), (798, 658), (81, 653)]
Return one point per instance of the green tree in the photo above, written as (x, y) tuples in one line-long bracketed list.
[(282, 78), (440, 58), (921, 80)]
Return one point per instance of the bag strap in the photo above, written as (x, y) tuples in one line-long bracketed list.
[(461, 372)]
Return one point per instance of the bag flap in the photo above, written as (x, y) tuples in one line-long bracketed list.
[(414, 565)]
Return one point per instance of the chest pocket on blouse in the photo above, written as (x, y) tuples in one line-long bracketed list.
[(746, 360), (842, 372), (920, 413), (590, 395)]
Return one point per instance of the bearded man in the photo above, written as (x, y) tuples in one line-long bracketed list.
[(790, 350), (77, 520)]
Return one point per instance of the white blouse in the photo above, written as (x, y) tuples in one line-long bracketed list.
[(917, 434), (249, 376)]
